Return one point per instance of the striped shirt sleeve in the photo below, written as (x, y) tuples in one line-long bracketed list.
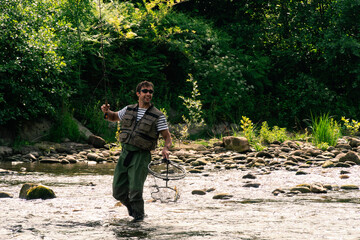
[(121, 113)]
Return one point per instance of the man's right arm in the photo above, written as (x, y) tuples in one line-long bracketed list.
[(111, 116)]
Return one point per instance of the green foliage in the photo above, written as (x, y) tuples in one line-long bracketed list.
[(248, 129), (93, 118), (36, 47), (325, 130), (65, 127), (268, 135), (352, 126), (274, 60)]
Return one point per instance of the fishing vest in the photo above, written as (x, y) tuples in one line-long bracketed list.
[(142, 133)]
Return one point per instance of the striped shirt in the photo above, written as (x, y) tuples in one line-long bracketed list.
[(161, 124)]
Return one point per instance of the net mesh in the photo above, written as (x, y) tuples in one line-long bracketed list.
[(166, 170)]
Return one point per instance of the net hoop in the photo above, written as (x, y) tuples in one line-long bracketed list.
[(166, 176)]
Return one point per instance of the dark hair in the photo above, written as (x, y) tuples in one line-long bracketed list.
[(144, 84)]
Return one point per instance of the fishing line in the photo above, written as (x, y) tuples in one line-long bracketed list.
[(166, 170)]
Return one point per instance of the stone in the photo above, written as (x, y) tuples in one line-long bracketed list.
[(238, 144), (96, 141), (317, 188), (249, 176), (5, 195), (25, 188), (194, 171), (92, 156), (328, 164), (40, 192), (264, 155), (301, 173), (222, 196), (252, 185), (349, 156), (198, 192), (349, 187), (300, 189)]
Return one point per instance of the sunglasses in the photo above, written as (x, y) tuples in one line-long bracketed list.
[(147, 91)]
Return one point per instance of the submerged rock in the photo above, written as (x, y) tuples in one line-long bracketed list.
[(40, 192), (35, 191)]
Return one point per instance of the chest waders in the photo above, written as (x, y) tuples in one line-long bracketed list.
[(129, 177)]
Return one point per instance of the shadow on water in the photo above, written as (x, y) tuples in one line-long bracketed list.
[(82, 168)]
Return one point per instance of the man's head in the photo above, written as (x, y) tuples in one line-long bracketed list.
[(144, 84), (144, 91)]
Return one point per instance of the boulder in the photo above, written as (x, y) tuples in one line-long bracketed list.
[(349, 156), (40, 192), (239, 144), (96, 141), (35, 191), (25, 188)]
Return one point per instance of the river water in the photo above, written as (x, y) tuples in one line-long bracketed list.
[(84, 207)]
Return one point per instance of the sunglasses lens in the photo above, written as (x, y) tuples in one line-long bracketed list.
[(147, 91)]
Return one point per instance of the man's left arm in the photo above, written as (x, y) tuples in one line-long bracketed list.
[(168, 142)]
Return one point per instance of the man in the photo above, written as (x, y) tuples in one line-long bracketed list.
[(141, 125)]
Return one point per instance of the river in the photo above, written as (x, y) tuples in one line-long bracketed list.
[(85, 209)]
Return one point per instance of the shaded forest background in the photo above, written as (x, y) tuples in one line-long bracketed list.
[(277, 60)]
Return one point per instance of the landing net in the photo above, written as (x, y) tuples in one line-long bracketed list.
[(166, 170)]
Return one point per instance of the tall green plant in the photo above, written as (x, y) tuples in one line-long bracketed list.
[(325, 130)]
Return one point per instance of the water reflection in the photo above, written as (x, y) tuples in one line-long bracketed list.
[(105, 168)]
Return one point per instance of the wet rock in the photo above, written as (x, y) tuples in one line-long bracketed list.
[(300, 189), (277, 191), (317, 188), (194, 170), (341, 164), (71, 159), (354, 142), (64, 161), (349, 156), (222, 196), (264, 155), (238, 144), (301, 173), (25, 188), (349, 187), (92, 156), (328, 164), (5, 195), (198, 192), (249, 176), (40, 192), (252, 185), (343, 146), (49, 160), (344, 176), (96, 141)]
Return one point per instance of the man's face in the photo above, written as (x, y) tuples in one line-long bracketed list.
[(145, 95)]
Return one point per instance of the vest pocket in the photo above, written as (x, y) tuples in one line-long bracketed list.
[(127, 120), (123, 136), (145, 125)]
